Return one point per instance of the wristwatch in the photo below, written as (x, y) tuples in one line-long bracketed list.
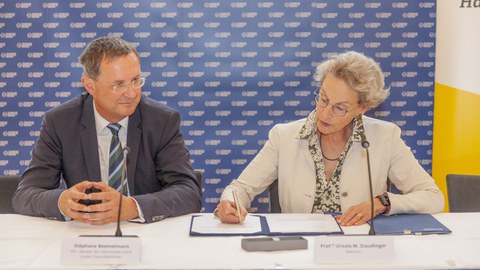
[(385, 202)]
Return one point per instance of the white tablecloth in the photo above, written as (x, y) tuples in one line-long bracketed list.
[(35, 243)]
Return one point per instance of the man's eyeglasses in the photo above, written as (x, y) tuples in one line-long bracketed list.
[(338, 109), (135, 83)]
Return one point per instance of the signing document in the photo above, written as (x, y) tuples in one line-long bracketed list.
[(211, 225), (304, 223), (274, 224)]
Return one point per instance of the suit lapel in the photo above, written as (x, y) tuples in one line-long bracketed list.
[(306, 152), (88, 137), (355, 149), (134, 135)]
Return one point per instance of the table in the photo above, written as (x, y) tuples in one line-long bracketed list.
[(34, 243)]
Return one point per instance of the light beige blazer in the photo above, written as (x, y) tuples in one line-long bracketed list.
[(286, 158)]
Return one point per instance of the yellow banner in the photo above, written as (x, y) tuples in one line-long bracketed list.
[(456, 132)]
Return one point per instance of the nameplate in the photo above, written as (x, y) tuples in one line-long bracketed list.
[(101, 250), (353, 249)]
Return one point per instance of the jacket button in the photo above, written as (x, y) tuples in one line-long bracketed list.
[(345, 194)]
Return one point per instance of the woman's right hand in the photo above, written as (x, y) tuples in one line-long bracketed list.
[(227, 212)]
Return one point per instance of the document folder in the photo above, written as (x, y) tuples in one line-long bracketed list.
[(417, 224), (198, 227)]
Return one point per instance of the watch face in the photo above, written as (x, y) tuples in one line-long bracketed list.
[(384, 199)]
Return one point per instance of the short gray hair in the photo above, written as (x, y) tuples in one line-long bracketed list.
[(104, 48), (360, 72)]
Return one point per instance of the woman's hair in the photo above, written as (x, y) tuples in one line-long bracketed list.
[(360, 72), (104, 48)]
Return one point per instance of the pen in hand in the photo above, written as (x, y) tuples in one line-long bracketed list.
[(235, 200)]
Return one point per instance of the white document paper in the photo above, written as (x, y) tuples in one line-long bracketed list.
[(209, 224), (302, 223)]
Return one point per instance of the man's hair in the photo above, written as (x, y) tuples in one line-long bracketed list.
[(104, 48), (360, 72)]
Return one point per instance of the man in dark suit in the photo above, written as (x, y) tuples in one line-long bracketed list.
[(80, 138)]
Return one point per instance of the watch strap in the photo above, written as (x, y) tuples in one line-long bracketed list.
[(385, 200)]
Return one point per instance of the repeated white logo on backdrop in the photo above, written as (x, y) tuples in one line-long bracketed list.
[(232, 68)]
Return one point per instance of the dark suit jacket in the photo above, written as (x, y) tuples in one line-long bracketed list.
[(160, 175)]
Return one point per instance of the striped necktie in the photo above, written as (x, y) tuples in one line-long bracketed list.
[(115, 160)]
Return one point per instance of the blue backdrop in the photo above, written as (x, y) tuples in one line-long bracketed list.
[(232, 68)]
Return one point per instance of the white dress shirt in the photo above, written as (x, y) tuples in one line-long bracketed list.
[(104, 137)]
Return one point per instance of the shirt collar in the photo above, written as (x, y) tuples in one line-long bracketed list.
[(101, 123), (358, 129), (309, 128)]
